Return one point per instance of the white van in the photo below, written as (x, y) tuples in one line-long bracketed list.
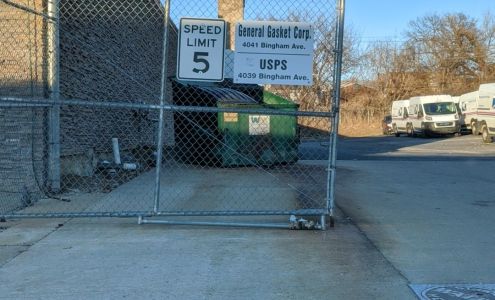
[(468, 104), (400, 116), (486, 111), (455, 99), (435, 114)]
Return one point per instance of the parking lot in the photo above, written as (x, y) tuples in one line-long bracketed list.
[(415, 148), (465, 147)]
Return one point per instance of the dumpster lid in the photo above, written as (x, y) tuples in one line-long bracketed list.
[(228, 96), (272, 99)]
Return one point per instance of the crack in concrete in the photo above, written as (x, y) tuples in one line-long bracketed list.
[(28, 246), (363, 233)]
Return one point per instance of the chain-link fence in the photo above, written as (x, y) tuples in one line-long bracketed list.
[(95, 121)]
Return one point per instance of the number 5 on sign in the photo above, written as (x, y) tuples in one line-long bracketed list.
[(200, 57), (201, 49)]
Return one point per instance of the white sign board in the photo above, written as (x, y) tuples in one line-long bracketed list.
[(271, 52), (201, 49)]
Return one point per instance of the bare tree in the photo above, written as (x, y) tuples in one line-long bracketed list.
[(449, 54), (318, 95), (488, 40), (450, 48)]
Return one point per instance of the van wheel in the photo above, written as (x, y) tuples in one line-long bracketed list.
[(413, 133), (396, 132), (408, 130), (485, 135), (474, 127)]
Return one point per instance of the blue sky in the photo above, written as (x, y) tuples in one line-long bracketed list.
[(388, 19), (371, 20)]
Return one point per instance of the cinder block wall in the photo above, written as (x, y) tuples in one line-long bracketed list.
[(23, 73), (110, 50), (22, 50)]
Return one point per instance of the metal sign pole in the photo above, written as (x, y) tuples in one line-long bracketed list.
[(54, 88), (163, 91), (335, 109)]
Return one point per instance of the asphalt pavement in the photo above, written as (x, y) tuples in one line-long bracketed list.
[(391, 148)]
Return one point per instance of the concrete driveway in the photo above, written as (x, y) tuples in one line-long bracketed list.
[(433, 220), (116, 258)]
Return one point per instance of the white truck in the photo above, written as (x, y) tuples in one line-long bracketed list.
[(434, 114), (486, 111), (468, 104), (399, 116)]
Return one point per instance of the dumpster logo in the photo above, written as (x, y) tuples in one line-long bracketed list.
[(259, 125)]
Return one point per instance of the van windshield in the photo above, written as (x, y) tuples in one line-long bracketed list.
[(439, 108)]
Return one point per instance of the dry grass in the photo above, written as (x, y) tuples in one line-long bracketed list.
[(357, 128), (364, 122), (360, 128), (354, 121)]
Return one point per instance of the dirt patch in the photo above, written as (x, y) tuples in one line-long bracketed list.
[(351, 129), (360, 129)]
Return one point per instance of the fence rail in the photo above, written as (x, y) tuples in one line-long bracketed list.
[(238, 170)]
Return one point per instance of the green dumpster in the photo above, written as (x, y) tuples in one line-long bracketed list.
[(250, 139), (229, 138)]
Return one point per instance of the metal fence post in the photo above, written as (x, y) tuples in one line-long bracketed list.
[(54, 90), (163, 91), (335, 109)]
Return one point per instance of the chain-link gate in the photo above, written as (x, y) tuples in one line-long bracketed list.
[(94, 121)]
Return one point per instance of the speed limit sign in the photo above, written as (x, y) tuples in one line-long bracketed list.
[(201, 49)]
